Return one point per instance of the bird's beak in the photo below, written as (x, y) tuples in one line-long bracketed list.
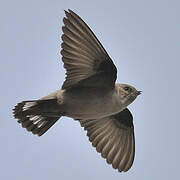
[(139, 92)]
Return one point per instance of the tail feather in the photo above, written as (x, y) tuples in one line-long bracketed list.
[(37, 116)]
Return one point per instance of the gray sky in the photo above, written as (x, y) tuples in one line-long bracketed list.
[(143, 39)]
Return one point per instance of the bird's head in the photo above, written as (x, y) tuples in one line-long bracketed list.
[(127, 93)]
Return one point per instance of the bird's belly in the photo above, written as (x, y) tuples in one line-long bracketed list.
[(90, 107)]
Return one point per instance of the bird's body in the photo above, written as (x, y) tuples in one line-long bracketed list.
[(89, 104), (89, 94), (97, 105)]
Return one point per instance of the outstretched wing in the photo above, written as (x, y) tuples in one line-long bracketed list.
[(114, 138), (86, 62)]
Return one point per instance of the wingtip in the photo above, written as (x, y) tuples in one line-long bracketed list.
[(66, 12), (70, 10)]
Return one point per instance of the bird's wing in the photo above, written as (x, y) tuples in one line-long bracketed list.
[(114, 138), (86, 62)]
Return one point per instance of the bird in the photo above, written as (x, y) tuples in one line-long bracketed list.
[(89, 95)]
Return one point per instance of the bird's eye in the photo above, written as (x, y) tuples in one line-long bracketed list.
[(127, 88)]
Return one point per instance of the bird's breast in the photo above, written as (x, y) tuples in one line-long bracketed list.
[(90, 105)]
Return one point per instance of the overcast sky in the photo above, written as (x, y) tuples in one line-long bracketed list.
[(143, 39)]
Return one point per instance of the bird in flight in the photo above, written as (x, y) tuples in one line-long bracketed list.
[(89, 95)]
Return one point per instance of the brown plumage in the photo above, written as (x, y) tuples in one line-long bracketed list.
[(89, 94), (113, 137), (85, 59)]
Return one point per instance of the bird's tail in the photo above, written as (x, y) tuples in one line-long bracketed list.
[(37, 116)]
